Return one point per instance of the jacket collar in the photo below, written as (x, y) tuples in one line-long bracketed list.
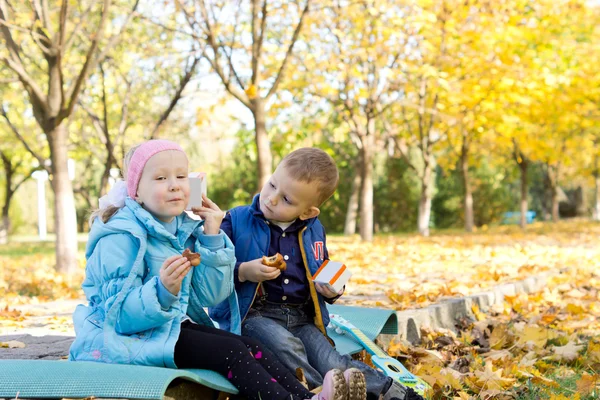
[(135, 220), (186, 224)]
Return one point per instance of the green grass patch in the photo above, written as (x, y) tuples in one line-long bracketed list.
[(20, 249)]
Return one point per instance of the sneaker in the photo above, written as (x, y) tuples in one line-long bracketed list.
[(334, 387), (401, 392), (357, 386)]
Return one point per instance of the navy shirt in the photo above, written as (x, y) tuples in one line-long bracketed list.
[(292, 285)]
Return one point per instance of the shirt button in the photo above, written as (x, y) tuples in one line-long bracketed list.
[(283, 234), (286, 257), (286, 281), (284, 298)]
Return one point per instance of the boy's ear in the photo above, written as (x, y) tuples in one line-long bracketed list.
[(310, 213)]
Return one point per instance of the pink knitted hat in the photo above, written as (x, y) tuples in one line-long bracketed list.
[(139, 159)]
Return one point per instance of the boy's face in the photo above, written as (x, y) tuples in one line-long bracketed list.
[(164, 188), (285, 199)]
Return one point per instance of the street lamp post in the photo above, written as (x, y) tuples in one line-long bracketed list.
[(41, 176)]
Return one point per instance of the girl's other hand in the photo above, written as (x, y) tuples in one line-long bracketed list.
[(172, 272)]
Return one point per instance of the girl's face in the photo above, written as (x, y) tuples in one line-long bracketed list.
[(164, 189)]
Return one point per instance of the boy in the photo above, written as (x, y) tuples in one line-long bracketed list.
[(284, 309)]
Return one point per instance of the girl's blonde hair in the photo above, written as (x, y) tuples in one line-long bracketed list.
[(106, 213)]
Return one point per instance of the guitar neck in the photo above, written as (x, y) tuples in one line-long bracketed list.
[(369, 345)]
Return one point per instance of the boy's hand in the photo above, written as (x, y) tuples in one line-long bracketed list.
[(256, 271), (211, 214), (327, 292), (172, 272)]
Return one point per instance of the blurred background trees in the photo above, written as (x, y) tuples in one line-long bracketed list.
[(440, 114)]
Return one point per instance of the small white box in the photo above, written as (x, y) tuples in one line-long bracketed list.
[(333, 274), (197, 188)]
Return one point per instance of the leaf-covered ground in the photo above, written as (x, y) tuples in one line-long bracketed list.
[(539, 346)]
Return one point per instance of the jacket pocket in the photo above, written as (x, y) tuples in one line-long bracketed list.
[(93, 332)]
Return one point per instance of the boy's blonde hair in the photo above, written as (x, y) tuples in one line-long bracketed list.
[(106, 213), (309, 164)]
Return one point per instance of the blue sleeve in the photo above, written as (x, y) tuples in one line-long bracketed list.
[(165, 298), (114, 278), (227, 225), (212, 280), (227, 228)]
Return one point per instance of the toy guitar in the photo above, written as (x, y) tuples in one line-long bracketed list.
[(389, 365)]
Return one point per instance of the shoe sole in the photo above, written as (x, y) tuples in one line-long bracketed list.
[(339, 385), (357, 386)]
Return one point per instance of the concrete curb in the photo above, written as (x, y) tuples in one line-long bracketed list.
[(447, 313)]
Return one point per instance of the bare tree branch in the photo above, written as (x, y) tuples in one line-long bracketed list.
[(91, 60), (41, 160), (214, 62), (176, 97), (15, 63), (83, 18), (289, 52)]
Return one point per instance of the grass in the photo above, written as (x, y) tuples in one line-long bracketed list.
[(29, 248), (568, 389)]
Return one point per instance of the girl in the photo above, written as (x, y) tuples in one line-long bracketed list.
[(146, 300)]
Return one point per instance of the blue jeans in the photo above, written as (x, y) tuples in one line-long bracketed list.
[(289, 332)]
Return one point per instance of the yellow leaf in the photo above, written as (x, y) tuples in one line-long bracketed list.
[(575, 309), (12, 344), (499, 338), (252, 91), (534, 335), (490, 379), (587, 384), (568, 352)]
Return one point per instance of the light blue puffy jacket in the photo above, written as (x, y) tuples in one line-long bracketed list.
[(124, 322)]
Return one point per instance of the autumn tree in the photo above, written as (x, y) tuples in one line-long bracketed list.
[(249, 46), (52, 51)]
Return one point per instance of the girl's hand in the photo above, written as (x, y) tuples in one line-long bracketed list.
[(172, 272), (211, 214)]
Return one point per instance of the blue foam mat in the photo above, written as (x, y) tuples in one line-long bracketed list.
[(45, 379), (371, 321)]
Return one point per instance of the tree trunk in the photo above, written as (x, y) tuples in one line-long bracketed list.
[(552, 183), (65, 220), (366, 190), (263, 145), (352, 211), (554, 197), (8, 194), (597, 197), (424, 216), (468, 194), (524, 189), (424, 210), (4, 228)]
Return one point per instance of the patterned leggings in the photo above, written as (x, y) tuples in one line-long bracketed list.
[(252, 369)]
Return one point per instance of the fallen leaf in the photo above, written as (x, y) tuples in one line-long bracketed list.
[(13, 344)]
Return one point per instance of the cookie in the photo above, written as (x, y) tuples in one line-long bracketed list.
[(193, 258), (275, 261)]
